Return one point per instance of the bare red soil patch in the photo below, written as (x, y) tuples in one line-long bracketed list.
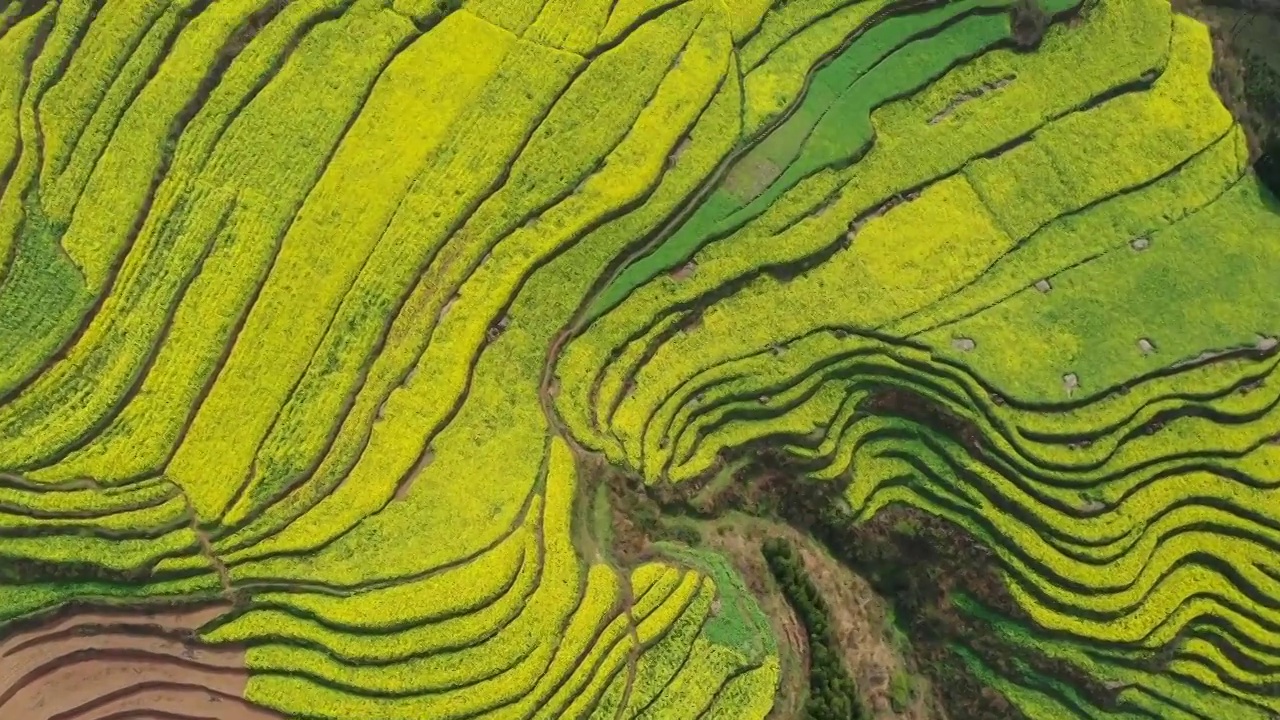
[(112, 665)]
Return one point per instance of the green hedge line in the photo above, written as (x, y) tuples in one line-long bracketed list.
[(832, 693)]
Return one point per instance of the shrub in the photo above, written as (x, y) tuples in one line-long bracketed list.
[(1268, 165), (1029, 22)]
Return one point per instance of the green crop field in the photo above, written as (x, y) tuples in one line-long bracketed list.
[(323, 322)]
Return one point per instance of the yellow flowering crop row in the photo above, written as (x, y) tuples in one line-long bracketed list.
[(61, 190), (767, 372), (603, 694), (829, 129), (892, 268), (660, 612), (1107, 225), (585, 359), (1203, 650), (1252, 690), (586, 405), (571, 25), (1147, 622), (141, 437), (129, 521), (21, 90), (653, 575), (448, 684), (612, 649), (87, 502), (408, 619), (175, 244), (833, 432), (1081, 158), (1127, 534), (377, 159), (496, 402), (784, 24), (610, 703), (380, 272), (694, 688), (118, 186), (1124, 416), (695, 452), (95, 374), (464, 678), (667, 646), (79, 113), (14, 46), (1045, 549), (595, 627), (628, 172), (606, 661), (514, 15), (749, 695), (491, 132), (421, 404), (112, 554), (501, 413), (909, 150), (1130, 596), (420, 550), (1161, 692), (647, 597), (496, 438)]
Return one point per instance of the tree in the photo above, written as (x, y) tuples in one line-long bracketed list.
[(1029, 22), (1268, 165)]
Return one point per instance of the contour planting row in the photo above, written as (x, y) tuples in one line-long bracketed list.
[(232, 436), (1065, 445), (1173, 686), (868, 269), (891, 57), (1246, 249), (502, 393), (908, 153), (1137, 572), (1119, 473), (357, 426), (398, 652)]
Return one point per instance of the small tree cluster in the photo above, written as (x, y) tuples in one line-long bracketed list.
[(832, 693), (1029, 22), (1262, 93)]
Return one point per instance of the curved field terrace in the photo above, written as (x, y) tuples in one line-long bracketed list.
[(635, 360)]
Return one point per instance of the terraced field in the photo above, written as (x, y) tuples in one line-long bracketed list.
[(315, 315)]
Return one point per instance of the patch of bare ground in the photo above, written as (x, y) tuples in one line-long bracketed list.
[(969, 96), (95, 664)]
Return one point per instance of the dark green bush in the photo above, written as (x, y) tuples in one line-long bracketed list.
[(1029, 22), (1268, 165), (832, 693)]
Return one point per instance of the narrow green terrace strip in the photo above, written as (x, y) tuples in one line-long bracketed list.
[(830, 127)]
